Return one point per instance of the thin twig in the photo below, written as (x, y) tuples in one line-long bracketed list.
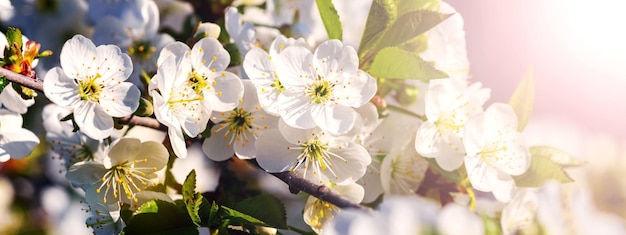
[(297, 184), (34, 84)]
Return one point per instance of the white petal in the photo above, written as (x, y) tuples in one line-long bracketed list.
[(232, 22), (226, 92), (333, 57), (481, 175), (504, 187), (113, 65), (273, 153), (123, 150), (85, 173), (336, 119), (60, 89), (295, 109), (18, 143), (218, 147), (294, 68), (208, 52), (173, 49), (258, 65), (152, 155), (93, 120), (177, 139), (467, 221), (76, 54), (120, 100), (110, 30), (357, 90), (349, 164), (247, 150), (13, 101)]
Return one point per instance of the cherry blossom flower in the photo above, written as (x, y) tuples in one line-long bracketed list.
[(449, 104), (243, 35), (128, 167), (317, 212), (91, 80), (189, 85), (176, 104), (322, 89), (260, 67), (495, 151), (15, 141), (312, 154), (139, 40), (236, 131)]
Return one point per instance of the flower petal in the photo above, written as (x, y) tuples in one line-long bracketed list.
[(208, 52), (295, 109), (226, 93), (336, 119), (294, 68), (218, 146), (85, 172), (93, 120), (76, 55), (332, 57), (59, 88), (18, 143), (273, 152), (123, 150), (120, 100)]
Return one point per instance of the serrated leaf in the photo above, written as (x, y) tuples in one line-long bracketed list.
[(409, 26), (161, 218), (330, 18), (148, 207), (272, 212), (556, 155), (523, 98), (240, 217), (542, 169), (3, 83), (14, 35), (395, 63), (192, 199), (381, 14)]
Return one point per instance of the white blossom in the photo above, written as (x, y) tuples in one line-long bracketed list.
[(449, 103), (495, 151), (91, 80), (322, 88), (15, 141)]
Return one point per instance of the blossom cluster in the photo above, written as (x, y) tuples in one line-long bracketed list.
[(270, 90)]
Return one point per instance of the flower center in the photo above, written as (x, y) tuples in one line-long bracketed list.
[(89, 89), (277, 85), (141, 50), (321, 91), (490, 154), (125, 179), (198, 82), (322, 211), (240, 123)]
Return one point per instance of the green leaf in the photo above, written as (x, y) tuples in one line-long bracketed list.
[(3, 83), (405, 6), (192, 199), (523, 98), (148, 207), (382, 13), (409, 26), (160, 217), (272, 212), (14, 35), (330, 18), (395, 63), (239, 217), (492, 226), (542, 169), (558, 156)]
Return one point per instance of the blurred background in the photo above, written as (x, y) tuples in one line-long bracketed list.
[(577, 50)]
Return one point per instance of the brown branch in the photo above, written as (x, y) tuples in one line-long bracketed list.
[(143, 121), (297, 184), (34, 84), (37, 85)]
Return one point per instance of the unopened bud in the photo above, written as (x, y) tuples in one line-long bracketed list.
[(145, 108), (207, 29)]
